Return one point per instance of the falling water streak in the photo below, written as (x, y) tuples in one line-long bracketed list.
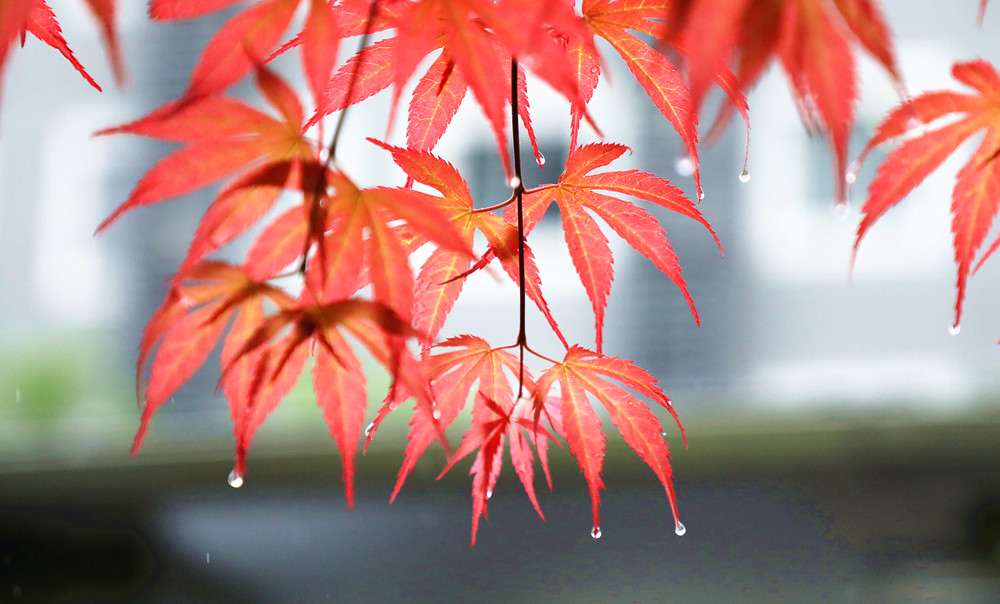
[(235, 480), (207, 558), (17, 396)]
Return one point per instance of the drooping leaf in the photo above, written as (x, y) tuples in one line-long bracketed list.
[(583, 374), (976, 196), (612, 20), (477, 40), (223, 136), (811, 40), (188, 325)]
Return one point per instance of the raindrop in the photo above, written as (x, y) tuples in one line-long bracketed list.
[(235, 480), (955, 329), (744, 176), (368, 429), (594, 70), (437, 414), (851, 176), (208, 559), (663, 434), (515, 182), (541, 160), (680, 529), (596, 533), (701, 196), (684, 166), (17, 396)]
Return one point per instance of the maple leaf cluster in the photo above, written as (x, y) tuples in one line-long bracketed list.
[(358, 287), (351, 252)]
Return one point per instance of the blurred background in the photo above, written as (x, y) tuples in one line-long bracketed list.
[(843, 446)]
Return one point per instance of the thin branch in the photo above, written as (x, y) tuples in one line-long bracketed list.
[(522, 334)]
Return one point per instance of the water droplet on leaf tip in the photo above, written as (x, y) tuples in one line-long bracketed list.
[(955, 329), (744, 176), (489, 493), (596, 533), (514, 182), (437, 414), (701, 196), (851, 177), (684, 166), (368, 429), (841, 209), (663, 434), (235, 480), (680, 529), (541, 160)]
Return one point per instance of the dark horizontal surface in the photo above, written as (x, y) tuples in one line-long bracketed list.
[(843, 514)]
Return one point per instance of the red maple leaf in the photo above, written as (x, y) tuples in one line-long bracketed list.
[(976, 196), (476, 40), (439, 282), (579, 192), (189, 323), (20, 17), (612, 20), (471, 365), (812, 41), (222, 136), (584, 374), (262, 361)]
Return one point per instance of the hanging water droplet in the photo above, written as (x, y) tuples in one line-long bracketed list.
[(594, 70), (437, 414), (541, 160), (701, 196), (515, 182), (489, 493), (955, 329), (663, 434), (851, 176), (744, 176), (596, 533), (368, 429), (841, 209), (235, 480), (680, 529), (684, 166)]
